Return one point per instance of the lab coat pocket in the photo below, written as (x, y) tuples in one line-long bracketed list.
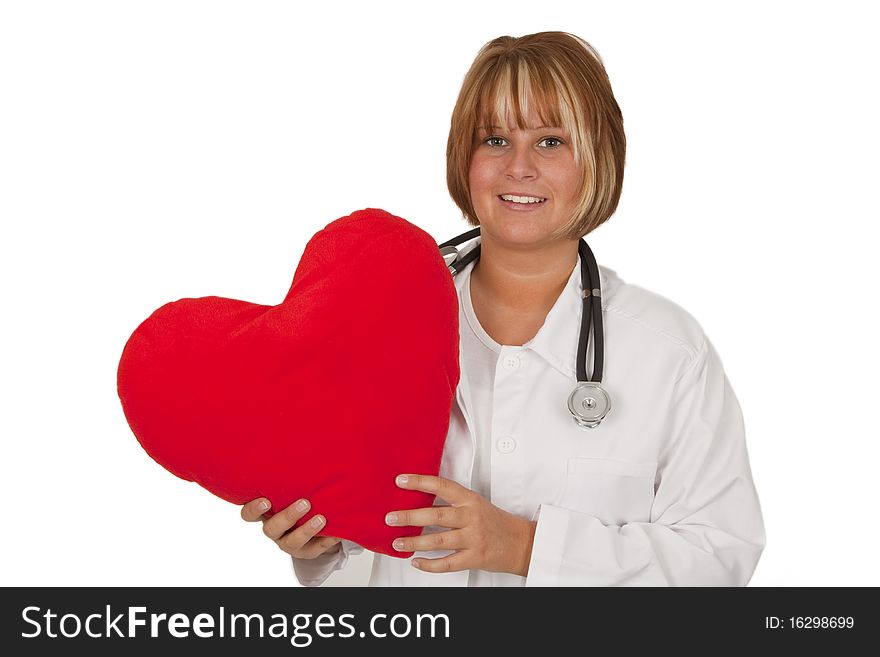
[(616, 492)]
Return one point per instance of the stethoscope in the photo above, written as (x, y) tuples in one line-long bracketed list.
[(588, 403)]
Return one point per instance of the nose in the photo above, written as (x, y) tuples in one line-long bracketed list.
[(521, 163)]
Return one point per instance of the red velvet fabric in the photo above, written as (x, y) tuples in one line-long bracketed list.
[(329, 395)]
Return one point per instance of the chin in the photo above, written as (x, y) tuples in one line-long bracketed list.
[(518, 232)]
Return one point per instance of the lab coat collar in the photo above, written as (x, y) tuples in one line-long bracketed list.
[(557, 339)]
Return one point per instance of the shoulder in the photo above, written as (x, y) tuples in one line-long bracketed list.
[(650, 316)]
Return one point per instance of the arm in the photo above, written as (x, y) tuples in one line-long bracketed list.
[(706, 526)]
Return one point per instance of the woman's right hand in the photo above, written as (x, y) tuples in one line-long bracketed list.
[(302, 542)]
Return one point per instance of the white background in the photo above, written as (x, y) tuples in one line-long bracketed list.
[(156, 150)]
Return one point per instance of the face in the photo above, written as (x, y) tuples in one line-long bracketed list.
[(524, 184)]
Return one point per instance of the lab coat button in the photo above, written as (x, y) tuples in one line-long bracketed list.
[(505, 444), (512, 362)]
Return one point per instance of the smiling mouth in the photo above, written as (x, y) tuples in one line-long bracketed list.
[(524, 200)]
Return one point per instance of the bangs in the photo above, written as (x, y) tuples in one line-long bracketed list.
[(515, 86)]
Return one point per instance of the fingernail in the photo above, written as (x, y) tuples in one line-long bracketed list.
[(391, 519), (416, 563), (402, 480), (302, 505), (397, 544), (317, 521), (264, 505)]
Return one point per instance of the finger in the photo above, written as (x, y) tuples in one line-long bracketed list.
[(331, 541), (277, 525), (295, 540), (254, 510), (455, 561), (442, 516), (449, 490), (447, 540), (315, 547)]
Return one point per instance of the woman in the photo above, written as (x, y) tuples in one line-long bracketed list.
[(661, 493)]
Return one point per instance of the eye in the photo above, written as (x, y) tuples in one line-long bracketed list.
[(495, 141), (551, 142)]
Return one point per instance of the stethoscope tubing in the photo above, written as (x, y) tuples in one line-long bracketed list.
[(592, 309), (588, 403), (591, 317)]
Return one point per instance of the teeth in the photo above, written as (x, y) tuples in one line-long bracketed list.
[(521, 199)]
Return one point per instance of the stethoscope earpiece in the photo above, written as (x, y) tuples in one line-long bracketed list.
[(589, 402)]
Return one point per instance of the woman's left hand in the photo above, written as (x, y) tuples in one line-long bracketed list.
[(482, 535)]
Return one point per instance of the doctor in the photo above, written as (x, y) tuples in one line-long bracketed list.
[(660, 493)]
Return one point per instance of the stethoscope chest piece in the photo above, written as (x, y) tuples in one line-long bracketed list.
[(449, 253), (589, 404)]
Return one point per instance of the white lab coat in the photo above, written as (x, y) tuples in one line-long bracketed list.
[(660, 494)]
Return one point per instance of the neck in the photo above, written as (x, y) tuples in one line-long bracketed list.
[(526, 282)]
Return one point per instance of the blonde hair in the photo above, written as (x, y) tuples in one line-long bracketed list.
[(566, 80)]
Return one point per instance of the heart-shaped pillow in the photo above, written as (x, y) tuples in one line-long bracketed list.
[(328, 396)]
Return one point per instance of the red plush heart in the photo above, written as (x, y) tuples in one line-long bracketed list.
[(327, 396)]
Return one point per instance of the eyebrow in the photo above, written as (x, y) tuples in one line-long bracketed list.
[(540, 127)]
